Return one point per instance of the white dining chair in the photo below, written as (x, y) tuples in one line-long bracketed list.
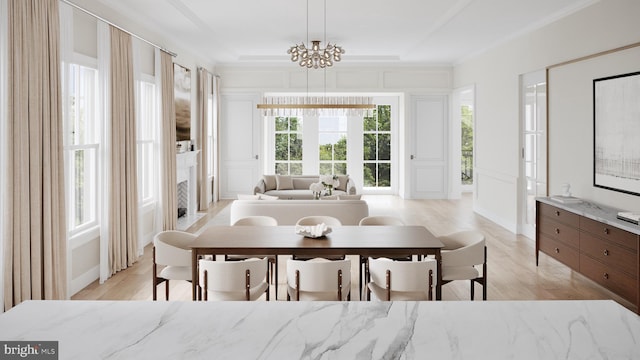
[(319, 279), (401, 280), (378, 220), (234, 280), (171, 250), (315, 220), (462, 254)]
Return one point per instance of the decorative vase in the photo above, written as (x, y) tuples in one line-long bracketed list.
[(316, 196), (329, 190)]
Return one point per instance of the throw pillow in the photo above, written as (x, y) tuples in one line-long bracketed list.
[(284, 182), (269, 182), (248, 197), (343, 179), (349, 197), (268, 197)]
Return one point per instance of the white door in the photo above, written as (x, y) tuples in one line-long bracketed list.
[(240, 145), (534, 148), (429, 147)]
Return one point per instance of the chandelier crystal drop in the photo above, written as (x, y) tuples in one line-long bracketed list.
[(315, 57)]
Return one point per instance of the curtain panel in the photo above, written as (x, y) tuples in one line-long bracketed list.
[(203, 120), (168, 180), (123, 188), (35, 238)]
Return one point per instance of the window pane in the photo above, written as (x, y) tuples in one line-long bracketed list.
[(325, 169), (369, 174), (384, 147), (384, 118), (282, 124), (369, 123), (282, 146), (295, 124), (325, 151), (369, 148), (282, 168), (340, 168), (340, 149), (384, 175), (296, 147), (296, 168)]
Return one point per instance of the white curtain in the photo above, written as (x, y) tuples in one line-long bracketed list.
[(168, 181), (104, 70), (4, 29), (203, 117), (35, 264), (123, 182)]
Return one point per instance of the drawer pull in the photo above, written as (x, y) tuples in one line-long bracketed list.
[(557, 231), (606, 276), (606, 231), (606, 252), (557, 251), (557, 213)]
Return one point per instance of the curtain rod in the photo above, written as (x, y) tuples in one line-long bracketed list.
[(119, 27)]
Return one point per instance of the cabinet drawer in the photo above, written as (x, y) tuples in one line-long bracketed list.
[(559, 231), (612, 279), (563, 216), (610, 233), (609, 253), (559, 251)]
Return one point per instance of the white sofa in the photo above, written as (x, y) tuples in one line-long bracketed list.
[(287, 212), (298, 187)]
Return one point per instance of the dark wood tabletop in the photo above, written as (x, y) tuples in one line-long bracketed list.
[(342, 240)]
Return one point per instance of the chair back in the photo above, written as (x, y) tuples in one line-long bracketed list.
[(230, 276), (381, 220), (319, 275), (406, 276), (319, 219), (464, 248), (256, 221), (172, 248)]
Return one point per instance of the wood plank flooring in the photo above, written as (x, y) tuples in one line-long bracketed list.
[(512, 272)]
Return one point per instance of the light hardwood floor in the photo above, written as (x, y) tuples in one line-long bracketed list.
[(512, 272)]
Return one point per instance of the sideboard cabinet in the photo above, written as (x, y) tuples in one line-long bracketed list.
[(589, 239)]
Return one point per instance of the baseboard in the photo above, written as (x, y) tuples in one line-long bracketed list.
[(84, 280)]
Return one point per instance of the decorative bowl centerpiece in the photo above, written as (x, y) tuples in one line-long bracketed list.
[(314, 231)]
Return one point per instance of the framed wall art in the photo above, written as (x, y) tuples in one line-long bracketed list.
[(616, 120), (182, 96)]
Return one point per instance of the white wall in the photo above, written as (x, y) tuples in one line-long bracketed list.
[(382, 80), (495, 73)]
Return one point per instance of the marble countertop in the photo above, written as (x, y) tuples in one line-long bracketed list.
[(599, 329), (598, 212)]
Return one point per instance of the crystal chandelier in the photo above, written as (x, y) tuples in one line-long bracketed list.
[(315, 57)]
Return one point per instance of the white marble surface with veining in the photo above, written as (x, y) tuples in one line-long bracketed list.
[(328, 330), (595, 211)]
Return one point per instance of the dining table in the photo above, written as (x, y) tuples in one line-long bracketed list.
[(365, 241)]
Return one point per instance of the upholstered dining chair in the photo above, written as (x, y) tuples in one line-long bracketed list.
[(273, 259), (462, 253), (171, 250), (401, 280), (319, 279), (378, 220), (234, 280), (315, 220)]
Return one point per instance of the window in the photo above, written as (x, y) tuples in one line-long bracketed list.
[(376, 148), (82, 145), (332, 141), (288, 145), (146, 117)]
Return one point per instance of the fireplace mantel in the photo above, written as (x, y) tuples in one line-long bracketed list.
[(186, 171)]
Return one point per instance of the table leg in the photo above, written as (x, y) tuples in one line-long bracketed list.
[(439, 276), (194, 273)]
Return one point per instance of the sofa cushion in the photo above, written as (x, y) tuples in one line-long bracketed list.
[(303, 183), (269, 182), (297, 194), (284, 182), (343, 179), (349, 197), (248, 197)]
